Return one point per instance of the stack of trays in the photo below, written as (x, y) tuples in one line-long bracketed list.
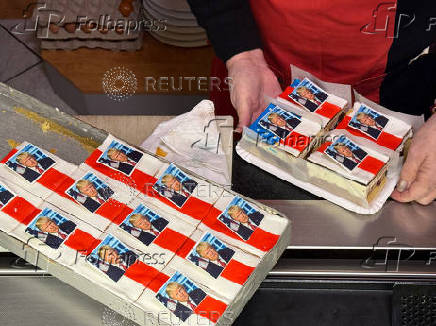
[(108, 24), (180, 27), (161, 240)]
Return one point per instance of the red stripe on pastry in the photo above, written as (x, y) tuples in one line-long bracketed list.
[(64, 186), (171, 240), (111, 210), (122, 216), (9, 155), (53, 179), (371, 165), (296, 141), (81, 241), (237, 272), (158, 281), (286, 92), (211, 308), (141, 273), (388, 140), (324, 146), (21, 210), (328, 110)]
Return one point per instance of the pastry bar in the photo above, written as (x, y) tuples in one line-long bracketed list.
[(176, 190), (291, 130), (122, 162), (328, 107), (157, 234), (56, 234), (174, 298), (35, 169), (215, 264), (94, 197), (243, 225), (118, 267), (348, 168), (382, 128)]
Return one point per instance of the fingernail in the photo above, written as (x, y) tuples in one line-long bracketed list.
[(402, 185)]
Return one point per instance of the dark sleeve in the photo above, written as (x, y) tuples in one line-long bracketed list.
[(411, 88), (229, 24)]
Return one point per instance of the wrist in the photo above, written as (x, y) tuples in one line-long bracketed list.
[(254, 57)]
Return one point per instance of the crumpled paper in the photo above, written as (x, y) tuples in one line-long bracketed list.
[(193, 141)]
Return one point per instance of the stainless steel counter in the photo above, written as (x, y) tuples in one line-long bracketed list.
[(319, 224)]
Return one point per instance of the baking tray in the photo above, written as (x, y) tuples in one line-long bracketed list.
[(23, 118)]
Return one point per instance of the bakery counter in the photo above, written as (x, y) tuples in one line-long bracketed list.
[(340, 268)]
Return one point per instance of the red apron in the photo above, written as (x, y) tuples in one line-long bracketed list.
[(338, 41)]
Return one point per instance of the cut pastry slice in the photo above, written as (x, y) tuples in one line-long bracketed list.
[(348, 168), (244, 225), (289, 129), (124, 163), (215, 264), (35, 169), (58, 235), (174, 298), (328, 107), (117, 267), (93, 197), (381, 128), (157, 235)]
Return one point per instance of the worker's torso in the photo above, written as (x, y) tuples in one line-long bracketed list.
[(339, 41)]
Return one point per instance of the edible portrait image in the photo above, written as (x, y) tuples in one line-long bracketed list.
[(181, 296), (144, 224), (175, 185), (112, 257), (241, 218), (280, 122), (120, 157), (90, 191), (30, 163), (368, 121), (346, 153), (308, 95), (211, 254), (51, 228)]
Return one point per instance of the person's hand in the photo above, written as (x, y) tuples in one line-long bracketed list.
[(251, 79), (418, 176)]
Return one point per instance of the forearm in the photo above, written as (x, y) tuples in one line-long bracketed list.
[(229, 24)]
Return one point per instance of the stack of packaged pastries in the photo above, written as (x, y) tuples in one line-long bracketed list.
[(345, 153), (182, 249)]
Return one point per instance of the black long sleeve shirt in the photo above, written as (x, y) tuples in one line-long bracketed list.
[(229, 24)]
